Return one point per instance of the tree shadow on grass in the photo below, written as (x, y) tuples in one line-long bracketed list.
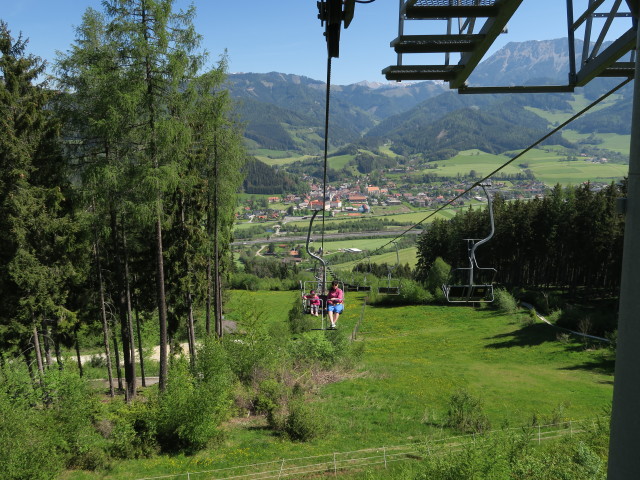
[(604, 365), (527, 336)]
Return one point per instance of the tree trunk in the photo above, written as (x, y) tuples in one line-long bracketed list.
[(36, 348), (131, 384), (162, 304), (56, 347), (140, 350), (116, 351), (122, 308), (79, 358), (105, 322), (191, 331), (209, 279), (216, 245), (208, 299), (46, 340)]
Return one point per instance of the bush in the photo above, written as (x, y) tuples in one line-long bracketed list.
[(466, 413), (299, 321), (195, 401), (437, 276), (73, 407), (314, 347), (303, 422), (504, 302), (411, 293), (260, 349), (29, 441), (131, 430)]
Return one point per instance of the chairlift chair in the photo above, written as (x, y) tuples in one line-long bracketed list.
[(473, 284), (320, 282)]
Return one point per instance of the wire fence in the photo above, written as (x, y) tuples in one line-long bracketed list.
[(332, 463)]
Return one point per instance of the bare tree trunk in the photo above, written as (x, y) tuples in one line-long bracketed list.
[(79, 358), (191, 331), (105, 322), (131, 383), (116, 352), (216, 246), (208, 271), (208, 299), (122, 307), (140, 351), (162, 305), (36, 347), (56, 347), (46, 337)]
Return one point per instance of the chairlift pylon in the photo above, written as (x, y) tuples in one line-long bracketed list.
[(468, 289)]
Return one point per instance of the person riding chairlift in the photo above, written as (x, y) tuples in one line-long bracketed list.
[(335, 305), (314, 302)]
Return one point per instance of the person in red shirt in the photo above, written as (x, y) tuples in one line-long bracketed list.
[(335, 305), (314, 302)]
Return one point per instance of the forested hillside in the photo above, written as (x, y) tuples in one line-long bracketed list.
[(263, 179), (493, 128), (571, 239)]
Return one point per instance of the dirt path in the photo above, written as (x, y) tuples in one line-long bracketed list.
[(155, 354)]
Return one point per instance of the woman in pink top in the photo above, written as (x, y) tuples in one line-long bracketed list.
[(335, 304)]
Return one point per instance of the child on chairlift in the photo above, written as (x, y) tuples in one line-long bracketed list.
[(314, 302)]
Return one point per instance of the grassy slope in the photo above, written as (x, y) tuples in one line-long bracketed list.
[(407, 255), (418, 356), (415, 358)]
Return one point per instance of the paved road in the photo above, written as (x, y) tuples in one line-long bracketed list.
[(329, 236)]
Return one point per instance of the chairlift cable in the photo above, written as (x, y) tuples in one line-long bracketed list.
[(507, 163), (326, 148)]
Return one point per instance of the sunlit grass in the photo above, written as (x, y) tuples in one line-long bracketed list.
[(415, 358)]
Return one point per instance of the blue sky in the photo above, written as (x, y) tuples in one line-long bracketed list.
[(281, 35)]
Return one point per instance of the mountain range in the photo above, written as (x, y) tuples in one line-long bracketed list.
[(285, 112)]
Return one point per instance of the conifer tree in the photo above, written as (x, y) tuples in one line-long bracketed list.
[(37, 233)]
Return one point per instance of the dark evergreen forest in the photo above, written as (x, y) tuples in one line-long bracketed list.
[(571, 239)]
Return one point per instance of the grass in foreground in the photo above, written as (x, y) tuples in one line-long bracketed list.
[(415, 358)]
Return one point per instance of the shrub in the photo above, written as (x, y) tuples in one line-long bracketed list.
[(132, 430), (299, 321), (73, 408), (303, 422), (437, 276), (195, 401), (260, 348), (466, 413), (29, 441), (411, 293), (504, 301), (314, 347), (271, 399)]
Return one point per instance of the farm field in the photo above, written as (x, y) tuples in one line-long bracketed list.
[(277, 158), (483, 163), (547, 165), (406, 255), (610, 141), (415, 358)]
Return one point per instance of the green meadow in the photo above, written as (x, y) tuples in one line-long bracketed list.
[(548, 165), (406, 255), (610, 141), (414, 359)]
